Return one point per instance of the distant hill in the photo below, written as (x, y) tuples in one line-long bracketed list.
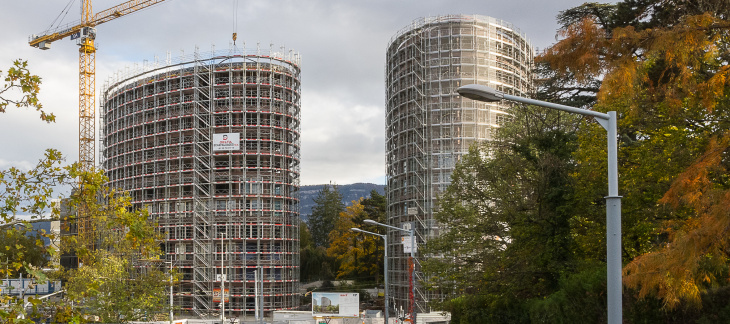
[(349, 193)]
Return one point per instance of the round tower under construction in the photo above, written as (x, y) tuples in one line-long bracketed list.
[(209, 145), (429, 126)]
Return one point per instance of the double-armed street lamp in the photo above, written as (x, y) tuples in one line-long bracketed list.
[(613, 200), (413, 255), (385, 266)]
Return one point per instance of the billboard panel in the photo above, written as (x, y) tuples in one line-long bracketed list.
[(217, 295), (406, 241), (335, 304), (227, 142)]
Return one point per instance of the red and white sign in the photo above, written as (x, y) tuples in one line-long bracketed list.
[(217, 295), (227, 142)]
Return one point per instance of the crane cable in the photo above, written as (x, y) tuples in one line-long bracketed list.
[(63, 12), (235, 21)]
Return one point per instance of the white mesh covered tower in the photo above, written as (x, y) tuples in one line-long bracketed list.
[(209, 144), (429, 126)]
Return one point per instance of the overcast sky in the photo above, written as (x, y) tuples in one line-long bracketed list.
[(342, 44)]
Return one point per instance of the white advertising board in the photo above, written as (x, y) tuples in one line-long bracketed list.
[(335, 304), (406, 241), (226, 142)]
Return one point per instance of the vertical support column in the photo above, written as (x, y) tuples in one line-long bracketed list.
[(87, 66), (385, 265), (613, 227), (87, 91)]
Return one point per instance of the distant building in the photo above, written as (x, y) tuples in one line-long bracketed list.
[(68, 227), (326, 302), (28, 287), (429, 126)]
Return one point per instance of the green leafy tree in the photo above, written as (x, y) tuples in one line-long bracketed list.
[(29, 193), (23, 253), (374, 208), (315, 264), (115, 290), (25, 196), (118, 281), (21, 88), (327, 208), (16, 244), (506, 218)]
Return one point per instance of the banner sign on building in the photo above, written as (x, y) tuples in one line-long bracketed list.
[(406, 239), (217, 295), (407, 246), (335, 304), (226, 142)]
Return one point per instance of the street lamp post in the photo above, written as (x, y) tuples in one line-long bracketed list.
[(413, 256), (385, 266), (613, 200), (171, 283), (223, 282)]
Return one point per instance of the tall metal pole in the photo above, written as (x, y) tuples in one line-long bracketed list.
[(385, 265), (413, 256), (261, 295), (613, 201), (171, 306), (223, 286), (613, 226), (256, 293), (385, 277), (413, 269)]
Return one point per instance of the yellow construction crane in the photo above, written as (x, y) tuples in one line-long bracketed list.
[(85, 33)]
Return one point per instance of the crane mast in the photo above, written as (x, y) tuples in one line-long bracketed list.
[(87, 90), (85, 34)]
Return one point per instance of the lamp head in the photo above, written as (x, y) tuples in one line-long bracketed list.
[(480, 93), (369, 221)]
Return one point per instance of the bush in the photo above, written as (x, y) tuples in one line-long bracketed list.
[(581, 299), (487, 309)]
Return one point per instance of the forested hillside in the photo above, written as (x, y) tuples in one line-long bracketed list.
[(349, 193)]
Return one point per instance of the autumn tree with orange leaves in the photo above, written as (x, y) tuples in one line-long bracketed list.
[(359, 256), (664, 66)]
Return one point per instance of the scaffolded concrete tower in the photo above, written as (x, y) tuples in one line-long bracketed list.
[(209, 144), (429, 126)]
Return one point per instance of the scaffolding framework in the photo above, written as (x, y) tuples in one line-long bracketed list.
[(429, 126), (222, 213)]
